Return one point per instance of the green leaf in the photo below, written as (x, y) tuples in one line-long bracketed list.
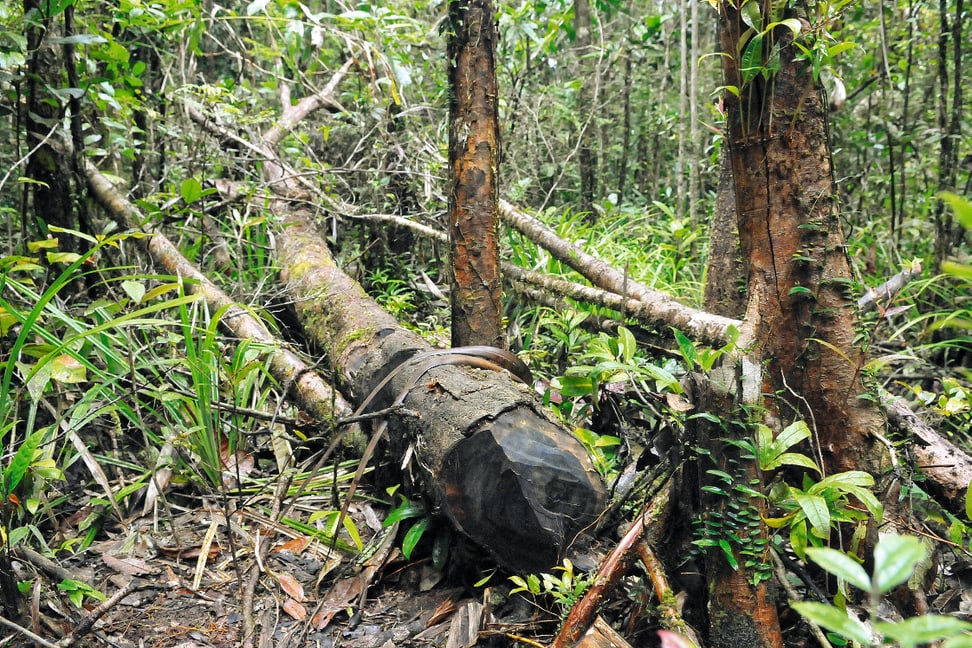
[(404, 511), (895, 558), (793, 434), (927, 628), (834, 620), (21, 463), (815, 508), (962, 641), (792, 459), (752, 59), (961, 208), (727, 551), (798, 539), (686, 347), (840, 480), (750, 14), (134, 289), (412, 537), (66, 369), (190, 190), (840, 565), (968, 502)]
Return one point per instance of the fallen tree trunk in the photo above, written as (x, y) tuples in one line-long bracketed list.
[(519, 485), (655, 306)]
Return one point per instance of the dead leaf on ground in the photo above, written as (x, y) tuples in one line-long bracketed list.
[(295, 609), (128, 566), (290, 585), (441, 613), (295, 545)]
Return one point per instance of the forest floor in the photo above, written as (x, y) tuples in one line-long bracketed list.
[(165, 595)]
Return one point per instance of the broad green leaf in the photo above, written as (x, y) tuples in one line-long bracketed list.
[(834, 620), (686, 347), (962, 641), (840, 565), (727, 551), (927, 628), (793, 434), (968, 502), (404, 511), (792, 459), (750, 14), (815, 508), (190, 190), (798, 539), (895, 558), (868, 499), (629, 346), (792, 23), (66, 369), (840, 480), (751, 63), (134, 289), (352, 530)]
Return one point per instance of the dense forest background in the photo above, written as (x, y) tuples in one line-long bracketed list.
[(122, 402)]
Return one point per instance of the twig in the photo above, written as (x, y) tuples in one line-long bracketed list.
[(795, 596), (89, 620), (614, 567), (27, 633)]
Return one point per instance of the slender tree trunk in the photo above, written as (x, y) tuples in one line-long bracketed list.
[(693, 129), (52, 202), (683, 120), (950, 126), (626, 126), (477, 289), (587, 98)]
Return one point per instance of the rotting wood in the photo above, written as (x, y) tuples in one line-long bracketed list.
[(516, 483)]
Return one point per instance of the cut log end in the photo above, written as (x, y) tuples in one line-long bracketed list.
[(523, 489)]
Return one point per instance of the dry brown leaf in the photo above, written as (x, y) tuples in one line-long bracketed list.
[(290, 585), (295, 609), (128, 566), (296, 545), (445, 609), (678, 403)]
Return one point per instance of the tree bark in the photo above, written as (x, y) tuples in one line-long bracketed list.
[(800, 317), (477, 290), (587, 97), (52, 188), (725, 275)]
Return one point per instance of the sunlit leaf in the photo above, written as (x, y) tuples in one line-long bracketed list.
[(841, 565)]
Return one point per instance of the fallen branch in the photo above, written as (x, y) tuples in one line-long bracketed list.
[(654, 305), (886, 291), (613, 569), (308, 389)]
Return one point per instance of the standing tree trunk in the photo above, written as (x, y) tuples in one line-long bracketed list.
[(799, 357), (586, 97), (51, 172), (477, 289)]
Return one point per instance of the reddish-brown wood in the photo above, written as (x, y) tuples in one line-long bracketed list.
[(477, 289)]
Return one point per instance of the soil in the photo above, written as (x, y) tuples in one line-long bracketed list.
[(302, 592)]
